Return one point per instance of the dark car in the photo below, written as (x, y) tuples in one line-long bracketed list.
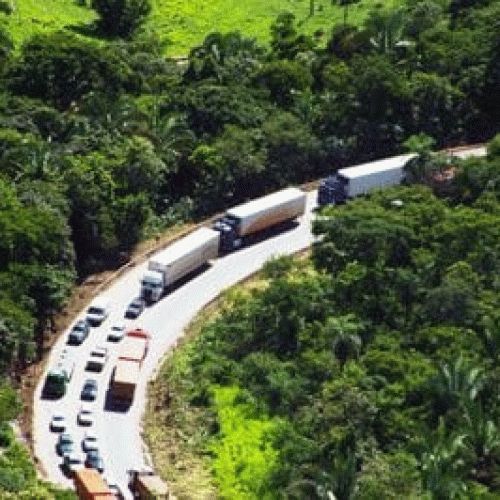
[(79, 332), (135, 308), (65, 444), (94, 460), (89, 391)]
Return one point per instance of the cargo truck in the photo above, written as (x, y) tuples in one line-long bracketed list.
[(253, 216), (178, 260), (90, 485), (353, 181), (146, 485), (133, 350)]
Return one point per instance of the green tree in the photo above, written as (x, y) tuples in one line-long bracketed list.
[(286, 42), (387, 28), (423, 145), (10, 404), (345, 334), (61, 68), (229, 58), (16, 332), (457, 385), (121, 17), (442, 465), (282, 78), (336, 481), (47, 288)]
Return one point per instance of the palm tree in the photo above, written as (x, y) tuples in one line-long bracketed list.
[(387, 29), (442, 465), (336, 483), (346, 341), (483, 436), (457, 384)]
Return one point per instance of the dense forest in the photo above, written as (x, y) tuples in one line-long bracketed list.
[(366, 371), (105, 141)]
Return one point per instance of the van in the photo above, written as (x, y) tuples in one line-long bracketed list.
[(98, 311)]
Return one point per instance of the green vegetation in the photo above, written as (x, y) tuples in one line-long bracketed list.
[(31, 17), (184, 25), (104, 140), (18, 479), (371, 369)]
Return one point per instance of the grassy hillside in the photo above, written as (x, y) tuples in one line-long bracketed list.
[(184, 23), (35, 16)]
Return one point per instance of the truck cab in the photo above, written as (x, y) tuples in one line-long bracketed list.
[(333, 190), (228, 227), (152, 286)]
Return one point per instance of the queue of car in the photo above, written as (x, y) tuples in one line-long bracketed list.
[(88, 454)]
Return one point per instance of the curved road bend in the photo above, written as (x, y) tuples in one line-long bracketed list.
[(119, 433)]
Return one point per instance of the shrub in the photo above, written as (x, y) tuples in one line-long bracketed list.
[(121, 17)]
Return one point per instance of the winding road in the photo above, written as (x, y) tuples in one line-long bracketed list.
[(120, 433)]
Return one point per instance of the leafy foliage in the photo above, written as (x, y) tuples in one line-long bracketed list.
[(376, 359), (121, 17), (104, 141)]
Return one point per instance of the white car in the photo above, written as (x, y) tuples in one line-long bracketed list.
[(98, 311), (97, 359), (58, 423), (85, 415), (117, 332), (90, 442)]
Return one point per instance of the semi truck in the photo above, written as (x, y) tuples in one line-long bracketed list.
[(90, 485), (146, 485), (353, 181), (257, 215), (227, 233), (177, 260), (133, 350)]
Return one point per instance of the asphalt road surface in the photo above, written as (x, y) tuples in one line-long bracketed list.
[(119, 432)]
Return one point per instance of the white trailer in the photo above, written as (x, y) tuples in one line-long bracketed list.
[(257, 215), (177, 260), (353, 181)]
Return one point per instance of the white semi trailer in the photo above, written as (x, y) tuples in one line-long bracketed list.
[(204, 244), (257, 215), (177, 260), (353, 181)]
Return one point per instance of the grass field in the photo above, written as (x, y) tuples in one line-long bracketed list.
[(185, 23), (37, 16)]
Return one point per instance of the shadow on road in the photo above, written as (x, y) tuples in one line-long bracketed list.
[(115, 404), (188, 277), (270, 232), (47, 394)]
